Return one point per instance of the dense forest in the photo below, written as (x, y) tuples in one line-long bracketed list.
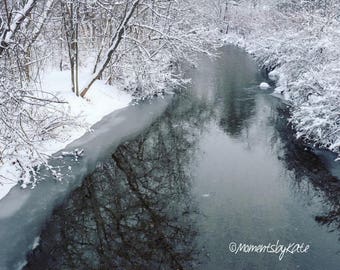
[(139, 46)]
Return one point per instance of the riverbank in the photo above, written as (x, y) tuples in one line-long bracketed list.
[(301, 56), (218, 166), (81, 113)]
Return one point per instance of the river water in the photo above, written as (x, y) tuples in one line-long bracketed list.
[(171, 184)]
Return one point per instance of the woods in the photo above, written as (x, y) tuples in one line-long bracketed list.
[(169, 134), (138, 46), (132, 45)]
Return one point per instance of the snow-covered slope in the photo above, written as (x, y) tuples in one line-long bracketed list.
[(301, 49), (100, 101)]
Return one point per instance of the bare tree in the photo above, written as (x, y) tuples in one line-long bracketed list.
[(115, 41), (71, 27)]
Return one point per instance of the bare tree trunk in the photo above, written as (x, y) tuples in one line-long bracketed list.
[(76, 51), (42, 21), (116, 39), (27, 67), (40, 25), (225, 11), (107, 27), (71, 25)]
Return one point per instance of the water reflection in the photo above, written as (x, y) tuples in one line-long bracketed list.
[(309, 172), (140, 209), (228, 83), (238, 106), (135, 211)]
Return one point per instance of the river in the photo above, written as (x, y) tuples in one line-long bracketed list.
[(170, 184)]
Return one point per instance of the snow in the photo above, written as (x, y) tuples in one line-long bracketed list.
[(273, 75), (300, 50), (264, 85), (36, 242), (102, 99), (8, 35)]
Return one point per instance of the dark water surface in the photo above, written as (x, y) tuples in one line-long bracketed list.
[(219, 165)]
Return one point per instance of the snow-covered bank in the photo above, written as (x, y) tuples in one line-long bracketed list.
[(82, 114), (134, 44), (298, 47), (23, 212)]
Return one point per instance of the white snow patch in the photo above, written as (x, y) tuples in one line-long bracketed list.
[(264, 85), (102, 99), (36, 242), (274, 75)]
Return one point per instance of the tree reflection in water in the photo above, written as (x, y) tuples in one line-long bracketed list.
[(237, 99), (135, 211), (309, 172)]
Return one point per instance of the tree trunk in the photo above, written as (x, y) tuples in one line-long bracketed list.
[(116, 39), (71, 25), (20, 15)]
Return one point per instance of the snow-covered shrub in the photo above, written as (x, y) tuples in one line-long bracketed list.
[(27, 119), (300, 43)]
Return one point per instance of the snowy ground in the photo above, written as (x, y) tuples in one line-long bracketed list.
[(101, 100)]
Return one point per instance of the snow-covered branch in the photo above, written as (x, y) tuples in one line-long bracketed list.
[(8, 32)]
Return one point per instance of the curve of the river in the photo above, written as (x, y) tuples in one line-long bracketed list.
[(172, 184)]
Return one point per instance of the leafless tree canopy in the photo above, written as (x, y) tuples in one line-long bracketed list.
[(136, 44)]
